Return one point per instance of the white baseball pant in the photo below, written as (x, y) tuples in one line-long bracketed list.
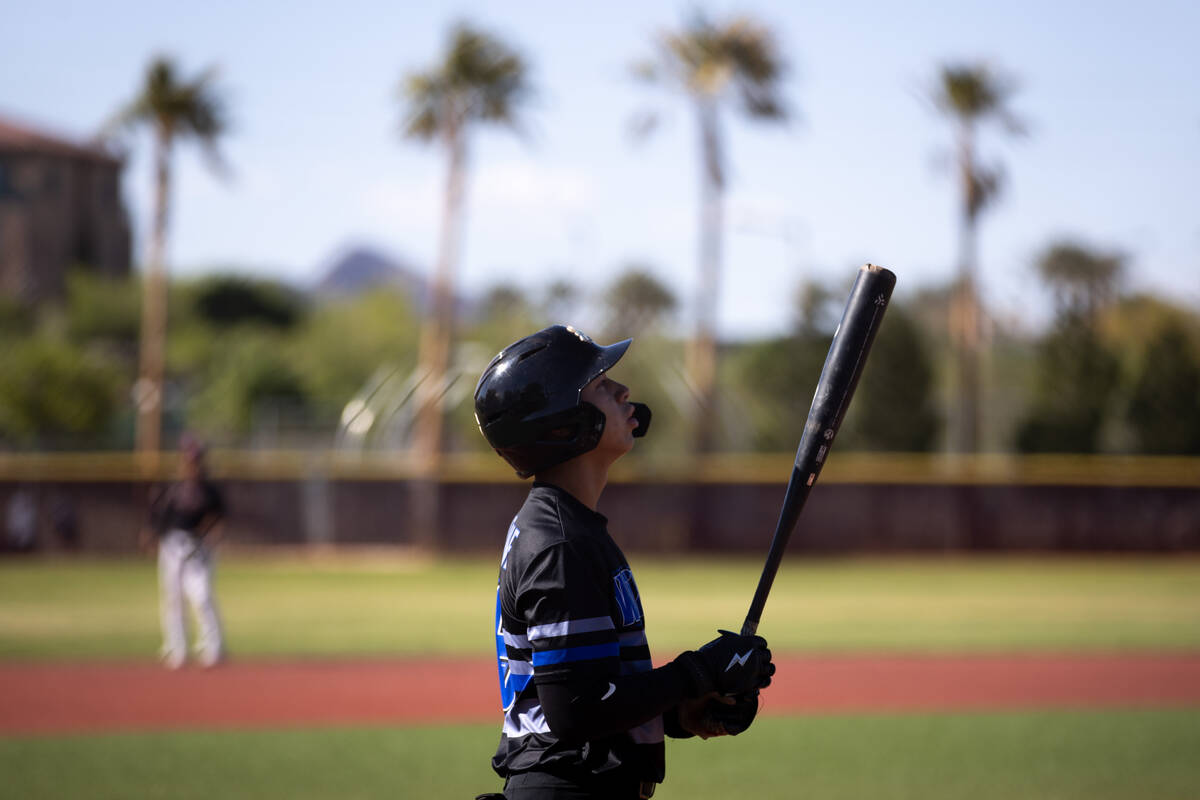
[(185, 570)]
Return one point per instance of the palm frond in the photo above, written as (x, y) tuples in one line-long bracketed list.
[(176, 107), (975, 91), (480, 79), (740, 58)]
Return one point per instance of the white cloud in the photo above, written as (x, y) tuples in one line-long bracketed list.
[(528, 187)]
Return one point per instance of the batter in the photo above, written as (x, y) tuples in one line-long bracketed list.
[(585, 710)]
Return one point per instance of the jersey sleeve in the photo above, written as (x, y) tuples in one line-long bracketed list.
[(565, 606)]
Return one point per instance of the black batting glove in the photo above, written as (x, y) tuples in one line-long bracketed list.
[(734, 717), (731, 664)]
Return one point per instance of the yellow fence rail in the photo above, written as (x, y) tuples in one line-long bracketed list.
[(857, 468)]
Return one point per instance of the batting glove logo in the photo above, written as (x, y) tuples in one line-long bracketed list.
[(739, 660)]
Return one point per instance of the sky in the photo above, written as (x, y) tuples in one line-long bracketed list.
[(1109, 93)]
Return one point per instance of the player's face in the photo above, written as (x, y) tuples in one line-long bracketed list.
[(612, 399)]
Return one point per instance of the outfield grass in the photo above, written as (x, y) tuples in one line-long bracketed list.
[(384, 605), (1059, 755)]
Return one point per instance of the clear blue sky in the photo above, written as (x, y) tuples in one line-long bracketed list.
[(1110, 92)]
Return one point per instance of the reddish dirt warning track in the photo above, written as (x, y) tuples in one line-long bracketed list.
[(55, 698)]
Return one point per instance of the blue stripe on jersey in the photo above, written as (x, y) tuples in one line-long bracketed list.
[(542, 658)]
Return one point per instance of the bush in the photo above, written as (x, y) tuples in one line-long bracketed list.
[(1164, 410), (226, 300), (106, 309), (252, 385), (893, 408), (53, 392), (1077, 379), (772, 387)]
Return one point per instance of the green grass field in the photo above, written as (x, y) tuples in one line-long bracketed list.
[(379, 604), (1059, 756)]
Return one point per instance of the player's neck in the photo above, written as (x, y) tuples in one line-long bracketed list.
[(584, 477)]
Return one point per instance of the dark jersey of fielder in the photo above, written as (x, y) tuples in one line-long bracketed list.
[(186, 506), (567, 605)]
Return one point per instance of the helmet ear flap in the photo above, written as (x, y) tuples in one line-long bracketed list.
[(591, 426), (560, 439)]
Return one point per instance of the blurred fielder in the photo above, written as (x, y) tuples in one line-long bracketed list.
[(186, 519)]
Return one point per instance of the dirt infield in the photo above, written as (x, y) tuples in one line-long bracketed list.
[(59, 698)]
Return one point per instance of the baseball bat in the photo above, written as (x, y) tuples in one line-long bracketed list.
[(843, 365)]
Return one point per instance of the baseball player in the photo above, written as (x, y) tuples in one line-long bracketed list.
[(186, 518), (585, 711)]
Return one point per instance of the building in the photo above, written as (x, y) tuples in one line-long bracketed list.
[(60, 208)]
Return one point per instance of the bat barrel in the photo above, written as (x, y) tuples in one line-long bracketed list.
[(844, 365), (839, 377)]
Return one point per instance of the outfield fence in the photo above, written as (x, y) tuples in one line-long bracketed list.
[(724, 502)]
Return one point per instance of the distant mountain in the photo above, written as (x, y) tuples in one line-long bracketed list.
[(358, 269)]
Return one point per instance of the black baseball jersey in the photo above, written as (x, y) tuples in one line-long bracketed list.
[(567, 605), (184, 506)]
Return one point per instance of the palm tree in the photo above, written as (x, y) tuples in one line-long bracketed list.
[(969, 95), (735, 63), (479, 80), (173, 109), (1083, 280), (636, 301)]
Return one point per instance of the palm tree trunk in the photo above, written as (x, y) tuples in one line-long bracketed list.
[(701, 357), (965, 310), (437, 330), (702, 352), (433, 357), (149, 390)]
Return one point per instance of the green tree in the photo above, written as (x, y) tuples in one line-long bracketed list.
[(16, 318), (774, 380), (1083, 280), (971, 95), (815, 309), (1076, 384), (100, 308), (174, 109), (636, 301), (253, 387), (52, 393), (233, 300), (343, 346), (505, 315), (715, 65), (894, 406), (560, 302), (503, 299), (1164, 409), (479, 80)]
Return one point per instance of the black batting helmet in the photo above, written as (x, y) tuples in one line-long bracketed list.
[(527, 401)]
